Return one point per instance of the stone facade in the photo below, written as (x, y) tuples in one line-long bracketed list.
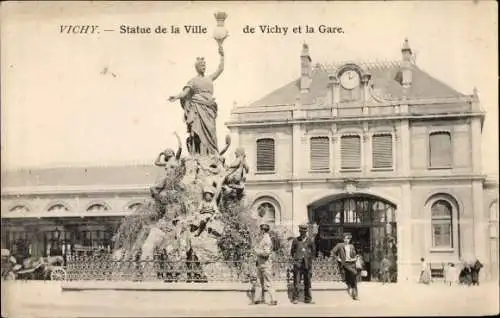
[(412, 112), (315, 141)]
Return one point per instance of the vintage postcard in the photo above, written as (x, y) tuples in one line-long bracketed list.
[(244, 158)]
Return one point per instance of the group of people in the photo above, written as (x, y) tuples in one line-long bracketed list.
[(468, 274), (302, 253)]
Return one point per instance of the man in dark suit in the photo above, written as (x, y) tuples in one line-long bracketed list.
[(302, 252), (475, 272), (346, 258)]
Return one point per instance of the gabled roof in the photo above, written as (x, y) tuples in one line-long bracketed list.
[(383, 80)]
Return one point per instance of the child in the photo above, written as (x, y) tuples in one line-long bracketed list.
[(207, 209), (237, 171), (175, 169), (451, 274)]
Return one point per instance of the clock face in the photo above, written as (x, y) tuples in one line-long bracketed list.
[(349, 79)]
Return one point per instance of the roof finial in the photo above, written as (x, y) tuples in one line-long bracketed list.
[(406, 51), (474, 94), (406, 45), (305, 49)]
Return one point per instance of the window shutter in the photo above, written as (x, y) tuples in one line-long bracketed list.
[(320, 153), (350, 148), (382, 151), (440, 149), (265, 155)]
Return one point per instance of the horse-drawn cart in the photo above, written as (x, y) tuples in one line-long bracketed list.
[(43, 268)]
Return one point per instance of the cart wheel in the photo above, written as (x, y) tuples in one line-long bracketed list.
[(58, 274)]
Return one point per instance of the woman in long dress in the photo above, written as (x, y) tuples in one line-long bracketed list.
[(425, 273), (200, 108)]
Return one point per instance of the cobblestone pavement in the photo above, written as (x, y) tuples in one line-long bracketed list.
[(21, 299)]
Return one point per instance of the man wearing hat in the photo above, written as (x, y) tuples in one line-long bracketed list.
[(263, 251), (346, 257), (302, 252)]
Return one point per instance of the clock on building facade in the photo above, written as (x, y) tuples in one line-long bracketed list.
[(350, 85), (349, 79)]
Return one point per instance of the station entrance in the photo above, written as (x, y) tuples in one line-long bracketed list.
[(372, 222)]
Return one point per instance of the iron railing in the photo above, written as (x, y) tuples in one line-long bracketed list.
[(105, 268)]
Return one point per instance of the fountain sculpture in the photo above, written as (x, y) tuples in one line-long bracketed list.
[(196, 213)]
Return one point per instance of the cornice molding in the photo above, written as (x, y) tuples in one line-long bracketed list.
[(22, 192), (369, 181), (389, 102), (82, 214), (400, 116), (87, 190)]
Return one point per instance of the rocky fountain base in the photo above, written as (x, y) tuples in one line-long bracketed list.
[(195, 228)]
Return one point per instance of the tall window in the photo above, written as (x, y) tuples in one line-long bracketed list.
[(265, 155), (382, 151), (320, 153), (440, 150), (442, 232), (95, 240), (350, 151)]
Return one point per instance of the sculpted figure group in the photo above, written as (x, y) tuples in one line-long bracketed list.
[(186, 199)]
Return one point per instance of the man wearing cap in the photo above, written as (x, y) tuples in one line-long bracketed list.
[(263, 251), (346, 257), (302, 252)]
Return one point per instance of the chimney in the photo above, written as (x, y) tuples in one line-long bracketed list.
[(306, 69), (406, 74)]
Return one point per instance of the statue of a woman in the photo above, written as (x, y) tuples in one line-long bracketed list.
[(200, 108)]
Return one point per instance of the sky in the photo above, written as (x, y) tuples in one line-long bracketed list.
[(101, 99)]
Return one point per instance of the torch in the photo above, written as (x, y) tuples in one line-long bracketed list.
[(220, 32)]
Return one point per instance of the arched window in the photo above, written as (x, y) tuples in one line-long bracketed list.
[(19, 209), (267, 213), (134, 206), (57, 208), (442, 225), (97, 207), (265, 155)]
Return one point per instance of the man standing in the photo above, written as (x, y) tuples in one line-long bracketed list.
[(385, 267), (264, 266), (302, 253), (346, 257), (475, 269)]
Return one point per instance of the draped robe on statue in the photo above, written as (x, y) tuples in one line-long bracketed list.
[(200, 113)]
